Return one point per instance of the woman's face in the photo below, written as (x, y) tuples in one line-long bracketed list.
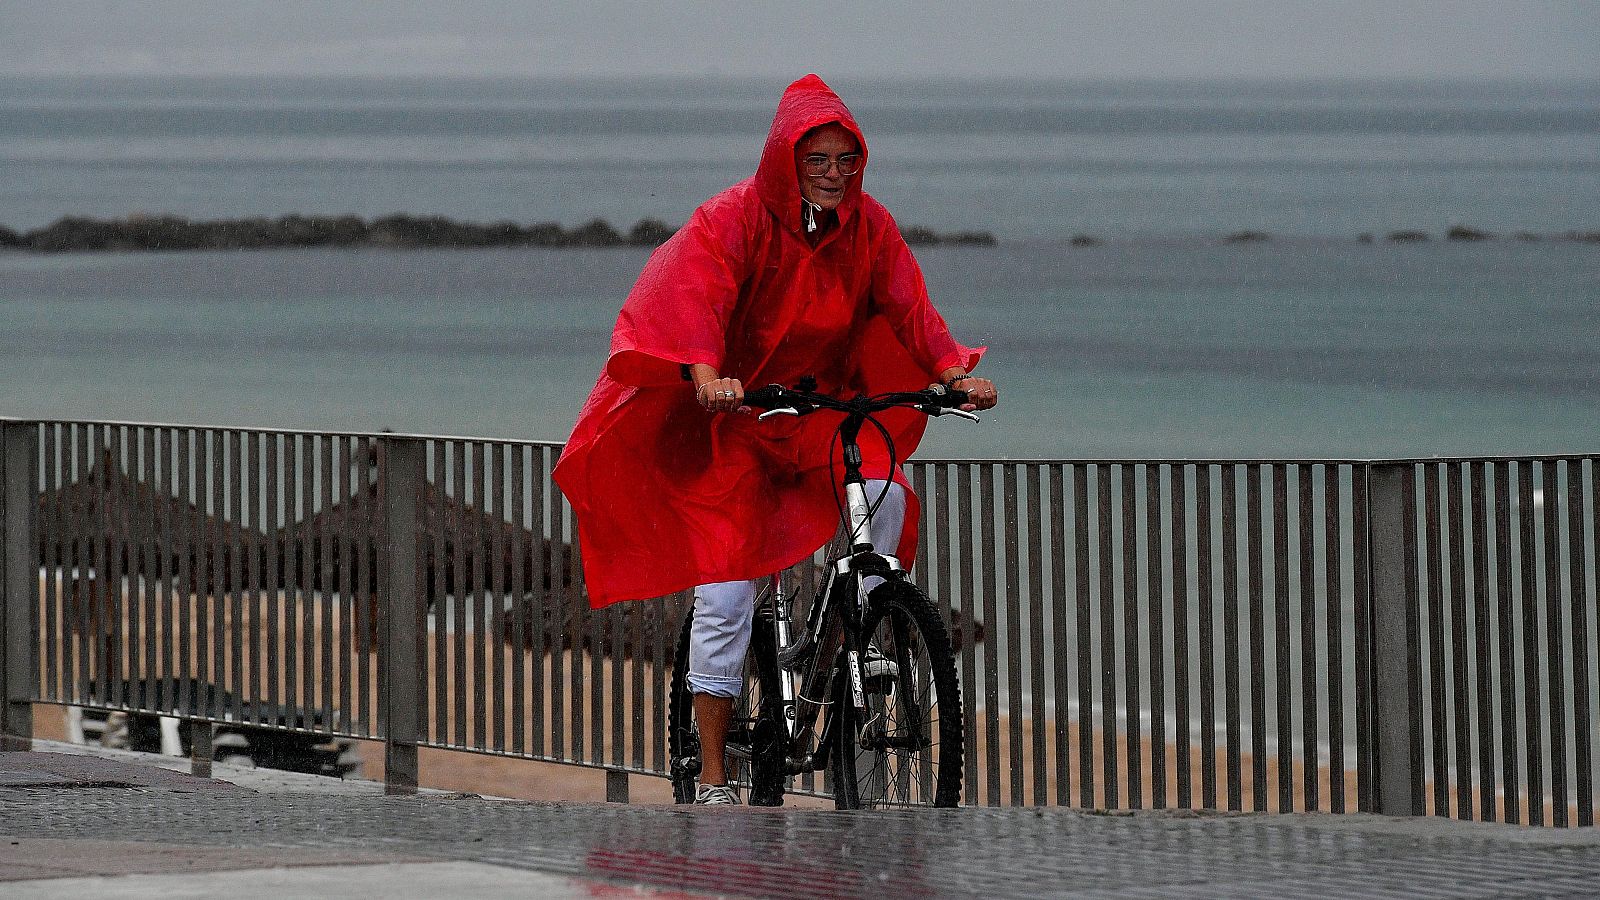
[(831, 141)]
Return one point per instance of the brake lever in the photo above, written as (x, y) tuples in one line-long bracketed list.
[(960, 412), (780, 411)]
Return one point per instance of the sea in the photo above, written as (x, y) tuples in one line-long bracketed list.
[(1157, 339)]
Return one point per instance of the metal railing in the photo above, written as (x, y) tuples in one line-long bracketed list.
[(1408, 637), (1497, 568)]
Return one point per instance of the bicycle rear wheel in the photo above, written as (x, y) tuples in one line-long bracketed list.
[(756, 750), (905, 751)]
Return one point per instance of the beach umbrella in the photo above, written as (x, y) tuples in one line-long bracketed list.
[(108, 519), (463, 552)]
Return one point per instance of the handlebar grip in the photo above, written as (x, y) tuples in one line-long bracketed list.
[(768, 397)]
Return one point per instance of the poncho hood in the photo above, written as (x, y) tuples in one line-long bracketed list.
[(805, 105)]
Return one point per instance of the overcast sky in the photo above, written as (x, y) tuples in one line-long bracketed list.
[(844, 38)]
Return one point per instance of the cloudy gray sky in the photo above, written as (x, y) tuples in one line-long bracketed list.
[(858, 38)]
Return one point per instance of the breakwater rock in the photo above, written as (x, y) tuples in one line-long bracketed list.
[(1455, 233), (1247, 237), (916, 234), (169, 233)]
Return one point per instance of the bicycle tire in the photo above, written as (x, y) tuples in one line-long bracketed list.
[(925, 768), (683, 742), (761, 730)]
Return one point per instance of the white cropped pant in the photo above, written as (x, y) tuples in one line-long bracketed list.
[(723, 611)]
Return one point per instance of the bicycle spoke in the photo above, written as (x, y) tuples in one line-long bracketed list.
[(898, 754)]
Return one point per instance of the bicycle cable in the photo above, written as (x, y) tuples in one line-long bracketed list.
[(894, 464)]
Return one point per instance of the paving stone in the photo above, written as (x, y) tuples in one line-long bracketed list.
[(23, 859), (66, 770), (807, 853), (416, 880), (30, 779)]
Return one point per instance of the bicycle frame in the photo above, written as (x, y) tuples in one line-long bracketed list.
[(832, 643), (825, 634)]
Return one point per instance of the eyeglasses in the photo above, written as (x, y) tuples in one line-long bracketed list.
[(816, 165)]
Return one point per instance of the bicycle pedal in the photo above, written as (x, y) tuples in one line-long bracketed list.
[(686, 767)]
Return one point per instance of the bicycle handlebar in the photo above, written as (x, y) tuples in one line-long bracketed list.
[(778, 400)]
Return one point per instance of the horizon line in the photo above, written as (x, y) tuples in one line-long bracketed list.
[(908, 78)]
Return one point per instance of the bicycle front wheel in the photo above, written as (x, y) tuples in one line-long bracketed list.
[(904, 749)]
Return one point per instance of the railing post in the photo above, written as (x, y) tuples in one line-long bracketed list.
[(19, 583), (1394, 683), (201, 750), (616, 786), (400, 481)]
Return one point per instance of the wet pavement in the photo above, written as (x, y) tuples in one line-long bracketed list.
[(298, 836)]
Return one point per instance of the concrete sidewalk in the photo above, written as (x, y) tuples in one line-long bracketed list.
[(113, 825)]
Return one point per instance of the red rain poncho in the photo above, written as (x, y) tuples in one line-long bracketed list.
[(668, 496)]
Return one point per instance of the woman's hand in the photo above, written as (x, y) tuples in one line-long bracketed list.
[(720, 394), (980, 391)]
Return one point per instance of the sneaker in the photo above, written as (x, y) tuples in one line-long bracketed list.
[(716, 795), (878, 671)]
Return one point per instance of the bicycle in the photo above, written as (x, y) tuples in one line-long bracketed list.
[(876, 665)]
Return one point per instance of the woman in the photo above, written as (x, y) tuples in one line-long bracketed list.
[(794, 272)]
